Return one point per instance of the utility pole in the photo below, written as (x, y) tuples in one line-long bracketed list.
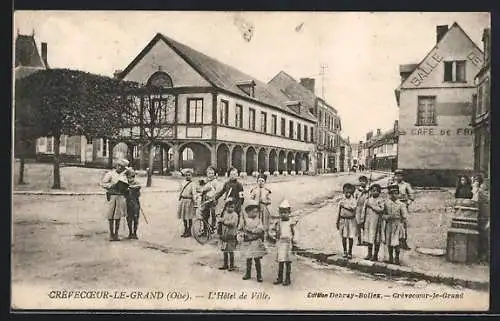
[(323, 69)]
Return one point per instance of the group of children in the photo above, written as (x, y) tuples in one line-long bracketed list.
[(250, 234), (122, 195), (244, 225), (364, 214)]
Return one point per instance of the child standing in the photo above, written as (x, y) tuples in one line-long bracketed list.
[(361, 195), (372, 218), (185, 209), (228, 238), (253, 239), (133, 205), (395, 214), (346, 219), (284, 236)]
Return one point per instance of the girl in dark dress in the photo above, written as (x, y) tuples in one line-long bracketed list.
[(464, 187)]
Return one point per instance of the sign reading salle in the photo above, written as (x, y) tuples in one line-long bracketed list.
[(427, 67)]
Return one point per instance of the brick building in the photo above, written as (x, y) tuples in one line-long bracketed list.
[(435, 109), (482, 108), (216, 115), (328, 127)]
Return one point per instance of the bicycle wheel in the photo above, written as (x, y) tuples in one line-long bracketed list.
[(200, 230)]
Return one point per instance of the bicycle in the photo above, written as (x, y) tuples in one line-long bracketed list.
[(202, 230)]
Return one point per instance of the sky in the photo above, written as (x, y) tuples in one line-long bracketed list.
[(362, 50)]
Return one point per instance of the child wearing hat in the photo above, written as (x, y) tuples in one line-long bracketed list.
[(262, 194), (395, 214), (253, 234), (133, 204), (227, 240), (372, 222), (284, 235), (346, 219)]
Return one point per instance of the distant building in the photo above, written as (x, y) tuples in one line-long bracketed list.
[(381, 150), (435, 110), (482, 109), (215, 114), (328, 127), (73, 149)]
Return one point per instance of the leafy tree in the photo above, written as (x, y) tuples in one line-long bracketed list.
[(71, 102)]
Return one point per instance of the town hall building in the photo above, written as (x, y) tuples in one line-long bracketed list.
[(214, 114)]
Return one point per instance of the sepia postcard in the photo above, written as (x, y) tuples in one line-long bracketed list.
[(313, 161)]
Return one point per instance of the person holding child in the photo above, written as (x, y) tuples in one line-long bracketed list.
[(346, 219), (262, 194), (285, 231), (133, 204), (253, 248), (372, 222), (227, 240)]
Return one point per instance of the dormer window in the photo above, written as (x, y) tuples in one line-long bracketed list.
[(294, 105), (248, 86)]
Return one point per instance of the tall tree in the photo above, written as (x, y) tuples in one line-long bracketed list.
[(71, 102), (151, 115)]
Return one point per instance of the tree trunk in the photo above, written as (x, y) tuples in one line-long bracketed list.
[(151, 157), (57, 174), (21, 171), (142, 164)]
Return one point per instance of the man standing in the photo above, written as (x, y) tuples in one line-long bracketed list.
[(116, 184), (361, 195), (406, 196)]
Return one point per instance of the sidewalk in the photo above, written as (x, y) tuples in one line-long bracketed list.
[(430, 217)]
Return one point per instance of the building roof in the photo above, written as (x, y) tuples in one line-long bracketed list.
[(382, 139), (454, 25), (21, 71), (222, 76), (294, 90), (26, 52)]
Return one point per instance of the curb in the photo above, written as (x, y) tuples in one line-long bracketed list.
[(393, 270)]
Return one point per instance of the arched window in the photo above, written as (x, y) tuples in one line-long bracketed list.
[(160, 79)]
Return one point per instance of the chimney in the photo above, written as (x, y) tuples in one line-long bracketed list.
[(486, 44), (379, 131), (117, 73), (396, 125), (440, 32), (308, 83), (44, 53), (369, 135)]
